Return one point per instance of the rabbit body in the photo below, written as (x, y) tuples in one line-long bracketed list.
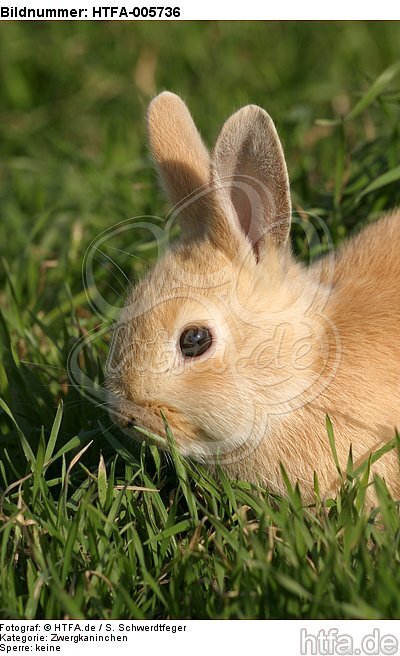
[(288, 344)]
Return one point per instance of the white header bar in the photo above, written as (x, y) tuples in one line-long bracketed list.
[(202, 10)]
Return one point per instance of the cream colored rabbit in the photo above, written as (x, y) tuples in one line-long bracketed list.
[(244, 350)]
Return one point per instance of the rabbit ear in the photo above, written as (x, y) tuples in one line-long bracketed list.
[(182, 159), (248, 167)]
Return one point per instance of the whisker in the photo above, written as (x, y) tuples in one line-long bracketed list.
[(122, 292), (41, 364), (124, 287), (119, 250), (113, 262)]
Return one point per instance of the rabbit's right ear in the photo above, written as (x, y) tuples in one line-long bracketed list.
[(182, 159), (249, 169)]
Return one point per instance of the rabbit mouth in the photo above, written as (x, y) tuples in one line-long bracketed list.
[(129, 416), (146, 422)]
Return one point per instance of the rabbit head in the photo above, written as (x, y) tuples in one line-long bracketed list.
[(221, 336)]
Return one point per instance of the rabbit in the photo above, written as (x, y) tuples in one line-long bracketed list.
[(241, 348)]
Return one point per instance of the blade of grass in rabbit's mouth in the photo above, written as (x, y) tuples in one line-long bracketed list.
[(152, 437)]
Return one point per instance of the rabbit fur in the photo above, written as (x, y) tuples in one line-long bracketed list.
[(290, 343)]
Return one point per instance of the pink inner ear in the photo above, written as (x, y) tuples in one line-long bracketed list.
[(242, 205), (251, 206), (249, 203)]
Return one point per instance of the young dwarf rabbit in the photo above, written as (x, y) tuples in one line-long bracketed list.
[(244, 350)]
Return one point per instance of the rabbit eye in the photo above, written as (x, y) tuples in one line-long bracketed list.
[(195, 341)]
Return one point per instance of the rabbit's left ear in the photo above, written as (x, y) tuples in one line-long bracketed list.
[(249, 170), (182, 159)]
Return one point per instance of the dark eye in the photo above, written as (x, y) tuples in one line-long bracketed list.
[(195, 341)]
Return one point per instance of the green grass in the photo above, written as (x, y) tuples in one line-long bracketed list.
[(91, 525)]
